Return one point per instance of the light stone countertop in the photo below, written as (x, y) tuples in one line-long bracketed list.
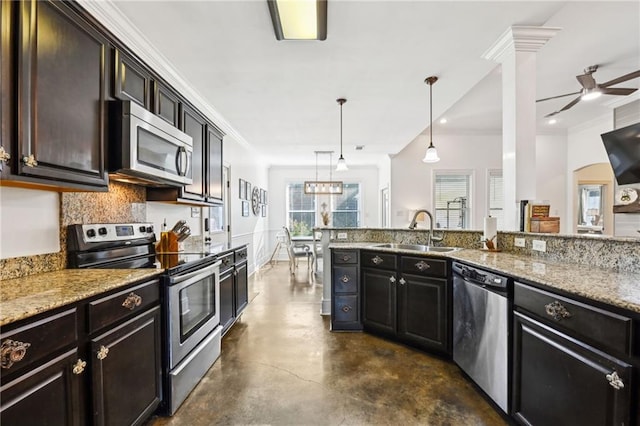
[(619, 289), (27, 296)]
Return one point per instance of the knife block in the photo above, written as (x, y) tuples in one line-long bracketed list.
[(168, 242)]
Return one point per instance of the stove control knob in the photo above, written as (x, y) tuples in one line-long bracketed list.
[(102, 231), (143, 228), (149, 228), (91, 233)]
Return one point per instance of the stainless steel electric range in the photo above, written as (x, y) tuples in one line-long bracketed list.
[(190, 297)]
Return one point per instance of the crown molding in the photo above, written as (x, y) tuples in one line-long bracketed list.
[(519, 39), (109, 15)]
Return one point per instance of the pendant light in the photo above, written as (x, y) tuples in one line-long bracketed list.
[(432, 155), (342, 164)]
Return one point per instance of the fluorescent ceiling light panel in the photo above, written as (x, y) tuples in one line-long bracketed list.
[(299, 19)]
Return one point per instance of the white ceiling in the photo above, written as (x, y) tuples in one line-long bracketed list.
[(280, 96)]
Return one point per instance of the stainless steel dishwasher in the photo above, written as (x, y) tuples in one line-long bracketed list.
[(481, 329)]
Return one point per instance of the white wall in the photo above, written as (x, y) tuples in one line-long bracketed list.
[(412, 180), (29, 222), (551, 176)]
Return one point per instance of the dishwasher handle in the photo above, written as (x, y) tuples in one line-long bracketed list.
[(480, 277)]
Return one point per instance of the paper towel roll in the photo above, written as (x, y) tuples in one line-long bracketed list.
[(489, 231)]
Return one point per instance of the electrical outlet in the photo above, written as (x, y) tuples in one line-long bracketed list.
[(539, 245), (342, 235), (519, 242), (195, 211)]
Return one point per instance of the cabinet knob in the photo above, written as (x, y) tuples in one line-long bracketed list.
[(12, 351), (345, 278), (346, 308), (102, 353), (557, 311), (377, 260), (422, 265), (132, 301), (4, 155), (346, 258), (615, 381), (79, 366), (402, 281), (29, 160), (392, 280)]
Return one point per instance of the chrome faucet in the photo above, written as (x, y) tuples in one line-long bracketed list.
[(414, 223)]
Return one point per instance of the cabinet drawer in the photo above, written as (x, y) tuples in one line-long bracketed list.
[(30, 343), (590, 323), (341, 257), (345, 279), (241, 255), (122, 304), (226, 263), (346, 308), (424, 266), (379, 260)]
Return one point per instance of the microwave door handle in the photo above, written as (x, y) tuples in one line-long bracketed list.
[(181, 159)]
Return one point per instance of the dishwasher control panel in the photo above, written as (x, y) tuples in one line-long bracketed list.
[(480, 276)]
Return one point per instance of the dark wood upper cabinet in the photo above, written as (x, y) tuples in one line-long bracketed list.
[(166, 104), (214, 164), (195, 126), (131, 80), (61, 84), (6, 86)]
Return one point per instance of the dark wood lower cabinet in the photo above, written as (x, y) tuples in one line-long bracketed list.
[(379, 300), (126, 371), (234, 291), (559, 380), (226, 300), (47, 395), (242, 288)]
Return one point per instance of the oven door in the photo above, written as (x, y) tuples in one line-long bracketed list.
[(193, 310)]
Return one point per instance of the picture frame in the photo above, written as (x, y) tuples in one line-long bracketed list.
[(242, 188), (245, 208), (262, 196), (265, 197), (264, 210), (248, 191)]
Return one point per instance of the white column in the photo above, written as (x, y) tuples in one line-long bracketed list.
[(516, 51)]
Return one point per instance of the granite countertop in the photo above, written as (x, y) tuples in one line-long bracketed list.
[(27, 296), (619, 289)]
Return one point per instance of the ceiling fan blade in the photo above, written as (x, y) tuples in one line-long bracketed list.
[(587, 81), (617, 91), (552, 114), (625, 77), (556, 97)]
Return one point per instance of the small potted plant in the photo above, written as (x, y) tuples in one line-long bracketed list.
[(325, 214)]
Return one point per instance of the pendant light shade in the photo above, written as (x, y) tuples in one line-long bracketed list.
[(342, 164), (431, 155)]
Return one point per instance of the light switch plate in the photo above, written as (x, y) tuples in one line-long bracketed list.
[(519, 242), (539, 245), (342, 235)]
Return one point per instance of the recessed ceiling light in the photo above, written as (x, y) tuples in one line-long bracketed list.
[(443, 120), (552, 121)]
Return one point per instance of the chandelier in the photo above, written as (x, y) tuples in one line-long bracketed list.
[(323, 186)]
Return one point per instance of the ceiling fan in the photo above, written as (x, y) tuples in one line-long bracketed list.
[(591, 89)]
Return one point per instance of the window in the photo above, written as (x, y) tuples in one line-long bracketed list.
[(345, 211), (301, 210), (452, 199), (496, 200)]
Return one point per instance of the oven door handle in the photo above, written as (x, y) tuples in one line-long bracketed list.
[(196, 275)]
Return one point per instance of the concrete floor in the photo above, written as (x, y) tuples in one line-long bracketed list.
[(280, 365)]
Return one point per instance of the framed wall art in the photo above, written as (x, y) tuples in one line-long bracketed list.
[(245, 208), (242, 189)]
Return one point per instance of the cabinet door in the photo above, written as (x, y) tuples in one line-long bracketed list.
[(166, 104), (423, 312), (379, 300), (226, 301), (132, 82), (560, 381), (49, 394), (6, 86), (214, 164), (61, 81), (126, 371), (242, 290), (194, 125)]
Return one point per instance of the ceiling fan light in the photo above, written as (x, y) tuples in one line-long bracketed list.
[(431, 156), (342, 165), (590, 94)]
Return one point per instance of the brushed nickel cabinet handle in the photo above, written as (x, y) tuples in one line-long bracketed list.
[(345, 278), (377, 260), (4, 155), (12, 351), (557, 311), (346, 258), (102, 353), (402, 281), (79, 366), (29, 160), (392, 280), (615, 381), (346, 308), (422, 265), (132, 301)]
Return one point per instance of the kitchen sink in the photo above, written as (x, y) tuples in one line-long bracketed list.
[(417, 247)]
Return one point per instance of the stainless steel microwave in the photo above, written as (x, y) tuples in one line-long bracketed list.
[(146, 150)]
